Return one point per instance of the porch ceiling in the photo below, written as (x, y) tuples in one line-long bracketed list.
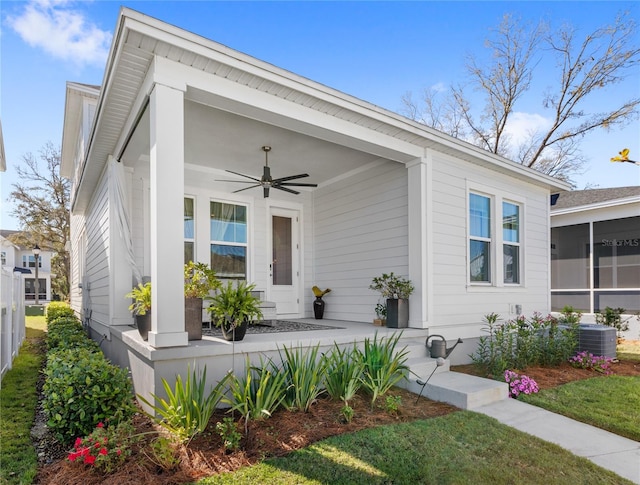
[(220, 140)]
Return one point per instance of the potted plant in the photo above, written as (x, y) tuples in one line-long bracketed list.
[(396, 290), (199, 280), (381, 315), (233, 307), (141, 307), (318, 304)]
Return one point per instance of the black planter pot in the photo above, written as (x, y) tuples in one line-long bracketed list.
[(397, 313), (234, 334), (143, 322), (318, 308)]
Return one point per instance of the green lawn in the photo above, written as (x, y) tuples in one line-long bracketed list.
[(18, 400), (460, 448)]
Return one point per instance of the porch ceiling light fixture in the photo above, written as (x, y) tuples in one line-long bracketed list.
[(267, 182)]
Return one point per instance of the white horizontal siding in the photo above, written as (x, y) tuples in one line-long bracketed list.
[(456, 303), (97, 253), (360, 231), (75, 278)]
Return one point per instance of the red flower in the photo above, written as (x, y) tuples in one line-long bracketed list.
[(73, 456), (100, 424), (78, 443), (89, 459), (97, 445), (103, 451), (118, 452), (84, 451)]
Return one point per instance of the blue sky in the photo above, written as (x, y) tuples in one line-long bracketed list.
[(376, 51)]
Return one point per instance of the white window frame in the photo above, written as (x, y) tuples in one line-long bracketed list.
[(517, 244), (227, 243), (195, 226), (496, 241), (489, 240)]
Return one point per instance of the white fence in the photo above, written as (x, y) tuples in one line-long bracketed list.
[(12, 329)]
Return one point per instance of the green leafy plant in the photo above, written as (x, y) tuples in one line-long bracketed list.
[(258, 393), (304, 373), (141, 295), (106, 448), (163, 453), (81, 389), (347, 413), (381, 311), (343, 369), (57, 309), (188, 407), (612, 317), (384, 366), (570, 315), (229, 433), (234, 304), (392, 404), (199, 280), (68, 333), (392, 286)]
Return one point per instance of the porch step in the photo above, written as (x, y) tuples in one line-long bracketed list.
[(461, 390)]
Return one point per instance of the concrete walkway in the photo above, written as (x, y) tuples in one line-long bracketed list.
[(607, 450)]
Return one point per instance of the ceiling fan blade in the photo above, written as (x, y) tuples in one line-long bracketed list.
[(246, 188), (295, 184), (279, 187), (236, 181), (243, 175), (291, 177)]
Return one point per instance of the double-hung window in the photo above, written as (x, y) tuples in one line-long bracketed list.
[(479, 238), (29, 261), (228, 226), (189, 230), (511, 242)]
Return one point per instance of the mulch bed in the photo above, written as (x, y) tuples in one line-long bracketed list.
[(281, 434)]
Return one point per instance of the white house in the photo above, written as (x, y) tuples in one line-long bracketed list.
[(21, 259), (595, 249), (150, 152)]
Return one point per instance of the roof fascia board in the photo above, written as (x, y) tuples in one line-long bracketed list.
[(217, 52), (599, 205)]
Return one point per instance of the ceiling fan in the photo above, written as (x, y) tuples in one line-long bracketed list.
[(267, 182)]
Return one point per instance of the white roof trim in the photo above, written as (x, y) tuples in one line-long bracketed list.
[(598, 205)]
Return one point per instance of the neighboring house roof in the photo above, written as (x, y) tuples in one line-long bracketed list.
[(141, 43), (590, 197)]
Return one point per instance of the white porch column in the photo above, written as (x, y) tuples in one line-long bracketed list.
[(166, 109), (419, 204)]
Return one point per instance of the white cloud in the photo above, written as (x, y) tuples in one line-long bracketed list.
[(521, 126), (65, 33)]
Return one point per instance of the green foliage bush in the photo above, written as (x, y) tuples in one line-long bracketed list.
[(68, 333), (57, 309), (304, 373), (343, 369), (82, 389), (523, 342)]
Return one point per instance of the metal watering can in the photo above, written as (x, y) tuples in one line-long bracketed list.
[(438, 348)]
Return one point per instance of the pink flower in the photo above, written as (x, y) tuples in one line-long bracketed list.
[(118, 452)]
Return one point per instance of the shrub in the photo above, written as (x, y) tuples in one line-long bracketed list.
[(57, 309), (522, 342), (343, 369), (106, 448), (612, 317), (188, 408), (304, 375), (383, 366), (67, 333), (82, 389), (229, 433)]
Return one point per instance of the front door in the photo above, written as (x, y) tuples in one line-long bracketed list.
[(285, 261)]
